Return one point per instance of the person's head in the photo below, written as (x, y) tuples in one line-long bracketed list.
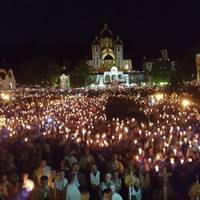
[(108, 177), (115, 157), (85, 195), (115, 175), (112, 187), (71, 177), (4, 178), (24, 177), (107, 194), (75, 167), (62, 174), (137, 182), (44, 180), (62, 164), (53, 174), (100, 157), (43, 163), (94, 168), (150, 150)]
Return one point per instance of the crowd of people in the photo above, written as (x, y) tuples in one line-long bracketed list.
[(60, 145)]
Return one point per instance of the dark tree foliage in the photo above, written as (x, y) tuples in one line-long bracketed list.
[(80, 76), (41, 69), (161, 71)]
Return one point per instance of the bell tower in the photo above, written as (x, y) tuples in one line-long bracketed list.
[(96, 53), (198, 67), (119, 52)]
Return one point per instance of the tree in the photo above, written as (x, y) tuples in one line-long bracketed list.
[(80, 76), (161, 71), (39, 69), (176, 78), (187, 65)]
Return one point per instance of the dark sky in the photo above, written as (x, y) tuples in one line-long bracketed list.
[(66, 28)]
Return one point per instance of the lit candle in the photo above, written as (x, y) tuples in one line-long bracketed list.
[(157, 168), (140, 151), (172, 161), (175, 151), (135, 141), (182, 160), (137, 157)]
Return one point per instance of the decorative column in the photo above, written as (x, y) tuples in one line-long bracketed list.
[(63, 81), (198, 67)]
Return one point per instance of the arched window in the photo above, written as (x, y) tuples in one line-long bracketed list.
[(120, 78), (113, 77), (107, 78)]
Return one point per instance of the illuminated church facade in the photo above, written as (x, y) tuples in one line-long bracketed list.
[(107, 58), (107, 51)]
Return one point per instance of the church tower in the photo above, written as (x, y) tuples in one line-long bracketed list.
[(198, 67), (96, 49), (118, 49), (107, 52)]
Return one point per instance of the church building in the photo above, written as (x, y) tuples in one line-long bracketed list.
[(107, 51), (107, 58)]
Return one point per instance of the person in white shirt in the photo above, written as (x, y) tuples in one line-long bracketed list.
[(107, 182), (72, 191), (95, 182), (75, 168), (136, 192), (94, 176), (115, 195), (60, 184), (117, 181)]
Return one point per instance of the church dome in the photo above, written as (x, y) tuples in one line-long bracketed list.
[(96, 41), (106, 32)]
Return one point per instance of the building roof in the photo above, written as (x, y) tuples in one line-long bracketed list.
[(106, 32), (96, 41), (118, 41)]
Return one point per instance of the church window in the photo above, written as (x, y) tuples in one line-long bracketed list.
[(97, 62)]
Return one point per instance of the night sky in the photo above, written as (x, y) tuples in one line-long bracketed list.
[(67, 28)]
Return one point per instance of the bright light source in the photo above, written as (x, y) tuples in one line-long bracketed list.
[(5, 97), (159, 96), (28, 185), (49, 120), (2, 121), (156, 168), (185, 103)]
